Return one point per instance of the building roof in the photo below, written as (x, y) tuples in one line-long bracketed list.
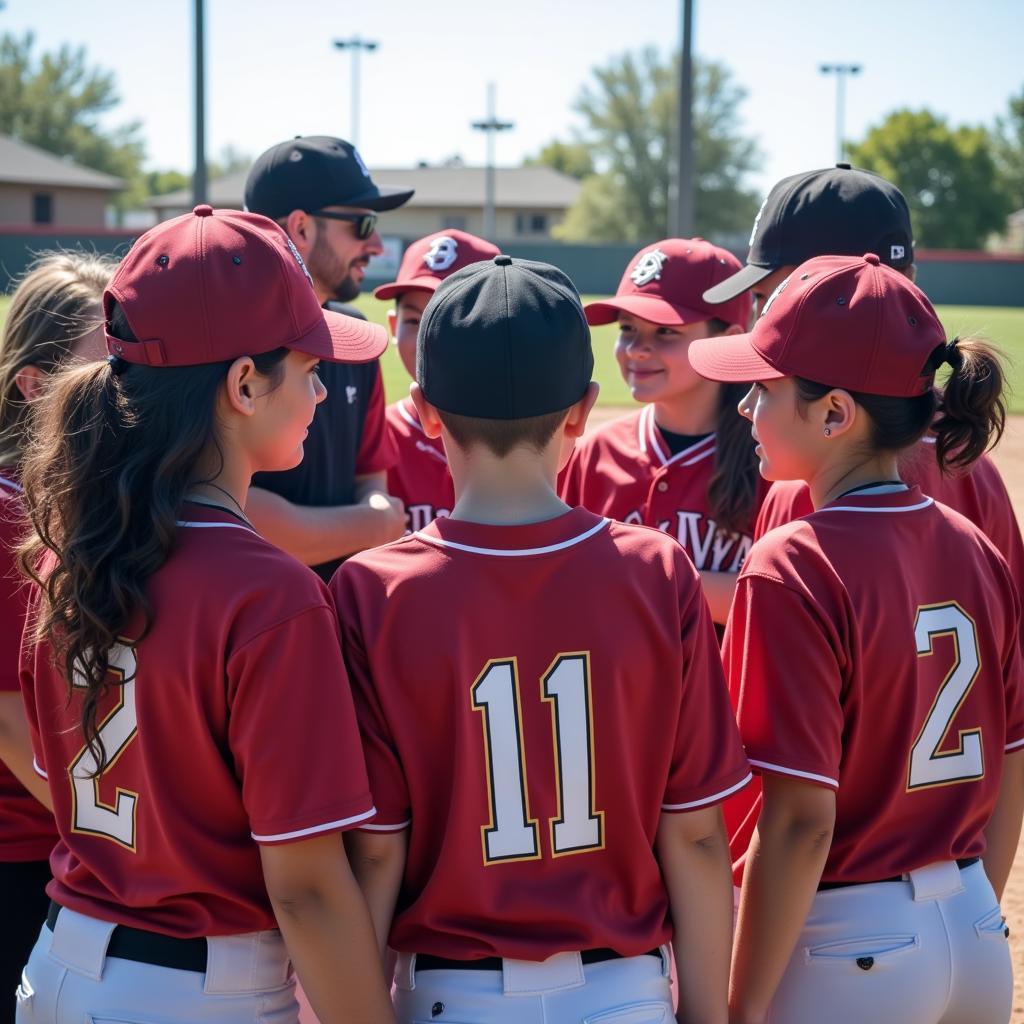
[(24, 164), (540, 188)]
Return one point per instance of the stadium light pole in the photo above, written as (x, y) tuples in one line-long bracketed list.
[(841, 71), (491, 126), (199, 184), (356, 46), (682, 208)]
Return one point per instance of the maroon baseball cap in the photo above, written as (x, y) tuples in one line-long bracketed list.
[(665, 283), (428, 261), (214, 285), (844, 321)]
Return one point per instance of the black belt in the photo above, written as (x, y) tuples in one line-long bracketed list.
[(148, 947), (962, 862), (428, 962)]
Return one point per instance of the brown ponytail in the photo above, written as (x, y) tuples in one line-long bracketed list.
[(972, 409), (113, 450)]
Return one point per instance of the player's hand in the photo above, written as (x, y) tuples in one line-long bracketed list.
[(388, 518)]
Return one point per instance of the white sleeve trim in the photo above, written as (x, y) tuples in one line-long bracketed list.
[(341, 823), (386, 828), (793, 771), (38, 769), (1014, 745), (708, 799)]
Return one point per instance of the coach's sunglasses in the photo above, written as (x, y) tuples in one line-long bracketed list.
[(365, 223)]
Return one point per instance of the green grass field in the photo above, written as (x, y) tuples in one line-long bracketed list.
[(1005, 326)]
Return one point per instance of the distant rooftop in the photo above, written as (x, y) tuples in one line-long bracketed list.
[(536, 188), (23, 164)]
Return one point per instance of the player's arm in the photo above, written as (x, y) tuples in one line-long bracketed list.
[(16, 747), (378, 863), (693, 852), (327, 929), (718, 588), (786, 857), (315, 534), (1003, 830)]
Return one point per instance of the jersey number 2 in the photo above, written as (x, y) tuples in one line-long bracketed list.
[(929, 765), (512, 833), (90, 814)]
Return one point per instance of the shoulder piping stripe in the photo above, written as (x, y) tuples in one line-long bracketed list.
[(1014, 745), (514, 552), (316, 828), (708, 799), (386, 828), (16, 487), (38, 770), (853, 508), (795, 772), (408, 417)]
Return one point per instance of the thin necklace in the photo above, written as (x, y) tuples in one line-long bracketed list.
[(227, 494)]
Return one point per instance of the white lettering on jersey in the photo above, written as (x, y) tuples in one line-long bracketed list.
[(648, 267), (350, 393), (709, 547), (419, 516), (443, 252)]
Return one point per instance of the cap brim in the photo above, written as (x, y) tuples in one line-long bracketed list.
[(343, 339), (380, 199), (731, 359), (412, 284), (740, 282), (648, 307)]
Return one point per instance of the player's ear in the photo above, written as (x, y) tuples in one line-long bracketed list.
[(393, 323), (239, 390), (30, 380), (839, 412), (301, 230), (576, 421), (430, 421)]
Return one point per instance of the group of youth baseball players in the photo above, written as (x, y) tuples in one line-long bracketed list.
[(710, 714)]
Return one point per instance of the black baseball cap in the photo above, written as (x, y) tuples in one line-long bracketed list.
[(311, 172), (837, 211), (504, 339)]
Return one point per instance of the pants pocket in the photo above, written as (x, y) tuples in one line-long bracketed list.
[(863, 953), (650, 1012), (992, 925)]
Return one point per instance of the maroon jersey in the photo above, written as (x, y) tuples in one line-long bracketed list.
[(27, 829), (978, 494), (376, 450), (232, 726), (420, 477), (624, 470), (532, 698), (897, 681)]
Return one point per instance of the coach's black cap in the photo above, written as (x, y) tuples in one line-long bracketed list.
[(311, 173), (838, 211), (504, 339)]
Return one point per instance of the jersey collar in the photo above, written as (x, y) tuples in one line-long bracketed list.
[(652, 444), (564, 531), (880, 499)]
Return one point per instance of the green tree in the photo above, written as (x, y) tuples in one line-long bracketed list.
[(55, 101), (1008, 142), (947, 174), (571, 158), (629, 114)]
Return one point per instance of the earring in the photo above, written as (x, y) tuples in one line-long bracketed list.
[(828, 431)]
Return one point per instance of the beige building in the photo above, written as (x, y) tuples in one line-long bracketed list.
[(529, 201), (39, 189)]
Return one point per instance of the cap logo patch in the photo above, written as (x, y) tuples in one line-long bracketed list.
[(359, 160), (757, 220), (443, 252), (648, 268), (301, 262), (774, 295), (897, 252)]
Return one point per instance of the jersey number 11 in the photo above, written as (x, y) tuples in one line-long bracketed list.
[(512, 834)]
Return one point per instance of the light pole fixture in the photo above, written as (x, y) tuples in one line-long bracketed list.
[(491, 126), (841, 71), (356, 46)]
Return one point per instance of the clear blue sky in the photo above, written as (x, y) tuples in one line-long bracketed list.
[(272, 72)]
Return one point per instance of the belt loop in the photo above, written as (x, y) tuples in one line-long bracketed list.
[(405, 971), (556, 974), (934, 881), (252, 962), (666, 960), (79, 943)]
